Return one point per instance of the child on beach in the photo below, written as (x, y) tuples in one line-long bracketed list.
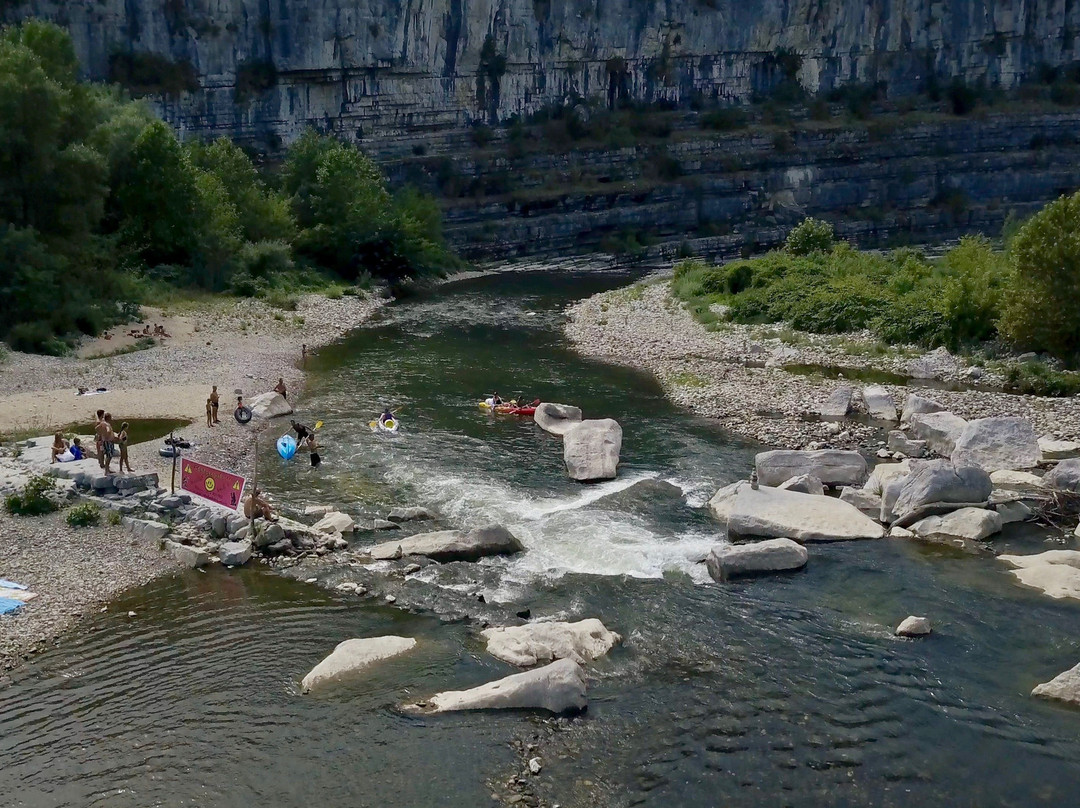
[(76, 449), (122, 442), (209, 413), (214, 403)]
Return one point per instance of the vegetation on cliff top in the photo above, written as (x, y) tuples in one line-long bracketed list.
[(101, 205)]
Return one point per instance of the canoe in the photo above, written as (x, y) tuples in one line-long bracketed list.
[(505, 409)]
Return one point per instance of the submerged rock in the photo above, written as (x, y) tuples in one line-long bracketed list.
[(1063, 687), (451, 545), (831, 466), (591, 450), (557, 419), (270, 405), (994, 444), (772, 513), (557, 688), (352, 656), (913, 627), (726, 561), (939, 429), (536, 643)]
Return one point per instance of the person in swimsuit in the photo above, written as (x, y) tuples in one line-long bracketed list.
[(255, 506), (97, 438), (239, 406), (280, 388), (313, 448), (302, 431), (105, 433), (214, 403), (122, 442), (209, 413), (60, 446)]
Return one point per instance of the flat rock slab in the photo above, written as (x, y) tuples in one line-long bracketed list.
[(591, 450), (1069, 558), (536, 643), (831, 466), (1058, 449), (451, 545), (557, 688), (1055, 580), (994, 444), (1023, 481), (557, 419), (1063, 687), (352, 656), (968, 524), (724, 500), (775, 514), (804, 484), (726, 561)]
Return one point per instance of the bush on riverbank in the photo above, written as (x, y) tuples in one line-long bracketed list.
[(900, 296), (84, 515), (101, 205), (33, 500)]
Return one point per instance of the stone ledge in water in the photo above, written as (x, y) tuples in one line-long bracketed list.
[(557, 419), (967, 524), (410, 515), (351, 656), (591, 450), (913, 627), (1055, 573), (557, 688), (726, 561), (772, 513), (451, 545), (831, 466), (1063, 687), (536, 643)]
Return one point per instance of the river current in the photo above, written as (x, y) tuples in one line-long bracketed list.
[(787, 690)]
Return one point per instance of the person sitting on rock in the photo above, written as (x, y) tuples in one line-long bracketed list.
[(255, 506), (76, 449), (59, 446), (279, 388)]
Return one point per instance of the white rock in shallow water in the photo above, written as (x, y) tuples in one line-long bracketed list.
[(1055, 579), (726, 561), (913, 627), (939, 429), (335, 522), (1013, 512), (558, 419), (235, 553), (352, 656), (1068, 558), (998, 443), (879, 403), (557, 688), (969, 524), (831, 466), (771, 513), (1063, 687), (190, 557), (536, 643), (591, 450), (451, 545)]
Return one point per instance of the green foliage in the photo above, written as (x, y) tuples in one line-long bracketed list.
[(83, 515), (1037, 379), (114, 519), (1039, 311), (33, 500), (811, 235)]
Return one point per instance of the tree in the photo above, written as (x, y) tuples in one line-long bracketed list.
[(811, 235)]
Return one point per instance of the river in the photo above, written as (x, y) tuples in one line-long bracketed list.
[(787, 690)]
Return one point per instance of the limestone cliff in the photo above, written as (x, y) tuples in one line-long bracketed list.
[(263, 69)]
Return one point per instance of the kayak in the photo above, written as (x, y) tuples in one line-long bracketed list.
[(505, 409), (389, 425)]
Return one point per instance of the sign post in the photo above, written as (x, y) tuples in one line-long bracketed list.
[(216, 485), (172, 482)]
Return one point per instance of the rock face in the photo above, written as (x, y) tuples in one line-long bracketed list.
[(772, 513), (537, 643), (913, 627), (591, 450), (915, 404), (1063, 687), (838, 404), (831, 466), (558, 419), (937, 485), (879, 403), (335, 522), (352, 656), (1065, 476), (726, 561), (939, 429), (269, 405), (557, 688), (452, 545), (966, 524), (998, 443), (235, 553)]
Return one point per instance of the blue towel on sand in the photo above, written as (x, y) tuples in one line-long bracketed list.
[(10, 585), (9, 605)]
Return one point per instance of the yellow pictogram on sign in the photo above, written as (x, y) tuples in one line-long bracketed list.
[(209, 483), (187, 470), (236, 486)]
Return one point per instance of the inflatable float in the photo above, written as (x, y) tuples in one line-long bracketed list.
[(286, 447)]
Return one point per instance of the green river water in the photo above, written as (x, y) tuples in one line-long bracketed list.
[(783, 690)]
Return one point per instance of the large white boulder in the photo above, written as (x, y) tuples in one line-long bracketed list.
[(269, 405), (591, 450), (352, 656), (838, 404), (998, 443), (724, 500), (1065, 476), (557, 419), (335, 522), (915, 404), (235, 553), (726, 561), (966, 524), (913, 627), (557, 688), (939, 429), (934, 486), (831, 466), (879, 403), (1063, 687), (451, 545), (773, 514), (536, 643)]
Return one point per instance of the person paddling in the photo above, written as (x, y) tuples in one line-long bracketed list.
[(386, 416), (495, 400), (302, 431)]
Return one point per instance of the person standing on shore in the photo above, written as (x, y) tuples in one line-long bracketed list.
[(122, 442), (106, 436), (209, 413), (98, 444), (279, 388), (214, 404)]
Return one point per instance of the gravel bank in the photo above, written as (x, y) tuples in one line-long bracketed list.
[(719, 374)]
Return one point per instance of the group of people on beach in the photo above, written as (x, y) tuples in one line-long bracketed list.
[(108, 443)]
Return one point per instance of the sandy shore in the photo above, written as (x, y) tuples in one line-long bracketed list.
[(720, 374), (233, 344)]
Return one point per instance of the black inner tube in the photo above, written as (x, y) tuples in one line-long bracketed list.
[(242, 415)]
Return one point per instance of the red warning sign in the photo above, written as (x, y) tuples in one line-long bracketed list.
[(222, 487)]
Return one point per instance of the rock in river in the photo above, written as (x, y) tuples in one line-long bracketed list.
[(235, 553), (536, 643), (939, 429), (557, 419), (913, 627), (1055, 572), (831, 466), (998, 443), (352, 656), (557, 688), (1063, 687), (726, 561), (936, 486), (839, 403), (966, 524), (270, 405), (335, 522), (772, 513), (591, 450), (879, 403), (410, 515), (451, 545)]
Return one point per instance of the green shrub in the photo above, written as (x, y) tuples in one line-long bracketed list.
[(114, 518), (811, 235), (1037, 379), (33, 500), (84, 515), (725, 119), (36, 337)]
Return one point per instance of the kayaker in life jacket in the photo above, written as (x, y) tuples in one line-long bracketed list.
[(495, 400), (386, 416)]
